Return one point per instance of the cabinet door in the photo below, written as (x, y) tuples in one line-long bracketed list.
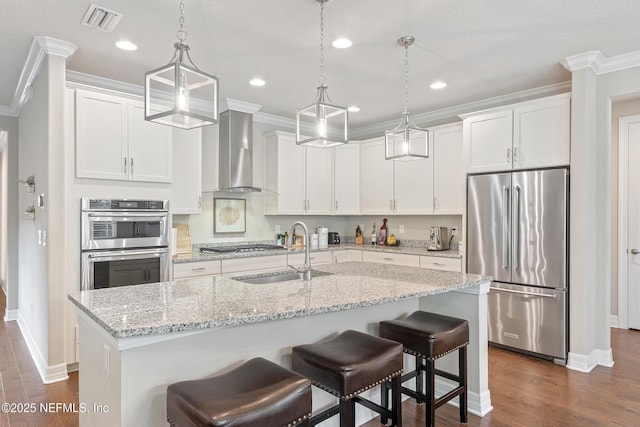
[(319, 181), (376, 179), (186, 187), (101, 136), (284, 175), (413, 185), (448, 173), (541, 133), (487, 141), (150, 147), (346, 183)]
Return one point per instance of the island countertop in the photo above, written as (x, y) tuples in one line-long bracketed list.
[(217, 301)]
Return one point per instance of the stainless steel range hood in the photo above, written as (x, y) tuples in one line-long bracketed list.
[(235, 169)]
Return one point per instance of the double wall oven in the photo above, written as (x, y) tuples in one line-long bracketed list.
[(124, 242)]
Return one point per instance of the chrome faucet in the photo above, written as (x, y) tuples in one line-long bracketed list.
[(305, 271)]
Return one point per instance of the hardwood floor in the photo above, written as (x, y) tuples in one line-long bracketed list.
[(525, 391), (20, 383)]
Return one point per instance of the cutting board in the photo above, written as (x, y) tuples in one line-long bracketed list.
[(182, 239)]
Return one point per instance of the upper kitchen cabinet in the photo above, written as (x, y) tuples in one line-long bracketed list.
[(527, 135), (448, 173), (113, 141), (346, 184), (394, 187), (299, 179), (186, 187)]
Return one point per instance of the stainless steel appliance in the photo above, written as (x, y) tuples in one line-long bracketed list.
[(124, 242), (334, 238), (517, 232), (438, 239)]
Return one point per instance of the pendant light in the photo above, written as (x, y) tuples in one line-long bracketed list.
[(326, 122), (179, 94), (407, 141)]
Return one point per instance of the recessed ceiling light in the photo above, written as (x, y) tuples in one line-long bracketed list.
[(353, 108), (257, 82), (126, 45), (438, 85), (342, 43)]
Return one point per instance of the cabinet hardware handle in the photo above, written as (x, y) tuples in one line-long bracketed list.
[(388, 259), (199, 201), (509, 155), (435, 203), (395, 204), (125, 165), (390, 204), (635, 251), (516, 154), (132, 166), (441, 264), (511, 291), (336, 205), (198, 269)]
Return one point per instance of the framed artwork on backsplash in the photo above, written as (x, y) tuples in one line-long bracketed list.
[(229, 215)]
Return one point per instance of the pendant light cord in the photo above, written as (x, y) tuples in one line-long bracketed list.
[(406, 78), (323, 78)]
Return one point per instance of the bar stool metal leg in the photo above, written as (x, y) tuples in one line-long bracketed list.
[(462, 373)]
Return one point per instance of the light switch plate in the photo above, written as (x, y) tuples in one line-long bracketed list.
[(401, 229)]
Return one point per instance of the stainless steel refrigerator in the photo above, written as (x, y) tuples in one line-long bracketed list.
[(517, 232)]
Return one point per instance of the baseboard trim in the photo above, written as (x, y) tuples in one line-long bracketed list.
[(10, 315), (48, 374), (477, 403), (586, 363), (613, 321)]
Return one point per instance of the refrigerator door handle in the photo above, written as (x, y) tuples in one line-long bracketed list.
[(505, 227), (516, 225), (512, 291)]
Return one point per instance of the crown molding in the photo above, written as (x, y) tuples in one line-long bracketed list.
[(243, 106), (40, 47), (87, 80), (599, 64), (453, 113)]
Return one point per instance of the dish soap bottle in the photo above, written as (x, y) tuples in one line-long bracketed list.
[(382, 235), (374, 236)]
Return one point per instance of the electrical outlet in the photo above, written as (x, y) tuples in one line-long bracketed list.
[(401, 229), (454, 231), (277, 229)]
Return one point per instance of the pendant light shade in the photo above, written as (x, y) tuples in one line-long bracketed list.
[(322, 124), (407, 141), (179, 94)]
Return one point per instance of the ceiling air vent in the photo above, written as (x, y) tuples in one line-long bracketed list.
[(101, 18)]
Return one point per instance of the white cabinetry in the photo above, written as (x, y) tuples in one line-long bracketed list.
[(194, 269), (316, 258), (448, 172), (437, 263), (113, 141), (391, 258), (530, 134), (346, 185), (393, 187), (302, 177), (186, 188)]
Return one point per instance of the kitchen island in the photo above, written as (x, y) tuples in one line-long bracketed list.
[(136, 340)]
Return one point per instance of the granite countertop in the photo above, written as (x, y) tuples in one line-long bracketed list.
[(196, 255), (217, 301)]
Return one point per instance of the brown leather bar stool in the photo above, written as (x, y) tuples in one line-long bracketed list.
[(429, 336), (346, 366), (258, 393)]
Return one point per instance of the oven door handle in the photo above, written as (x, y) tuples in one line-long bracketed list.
[(125, 254), (106, 216)]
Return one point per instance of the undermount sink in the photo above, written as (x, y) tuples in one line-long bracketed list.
[(276, 276)]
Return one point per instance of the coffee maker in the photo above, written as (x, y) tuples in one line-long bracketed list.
[(438, 239)]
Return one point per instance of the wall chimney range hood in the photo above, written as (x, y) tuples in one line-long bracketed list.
[(235, 169)]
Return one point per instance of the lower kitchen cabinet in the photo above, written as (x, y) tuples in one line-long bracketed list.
[(391, 258), (438, 263), (266, 263), (316, 258), (194, 269)]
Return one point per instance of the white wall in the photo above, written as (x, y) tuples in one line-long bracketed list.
[(3, 209), (10, 210)]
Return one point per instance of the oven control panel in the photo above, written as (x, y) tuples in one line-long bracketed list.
[(124, 205)]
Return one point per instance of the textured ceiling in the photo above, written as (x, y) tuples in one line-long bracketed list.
[(482, 49)]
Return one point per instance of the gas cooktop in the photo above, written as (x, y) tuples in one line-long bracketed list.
[(240, 248)]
